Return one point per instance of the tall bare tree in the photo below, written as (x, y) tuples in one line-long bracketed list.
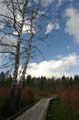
[(34, 34), (14, 20), (22, 15)]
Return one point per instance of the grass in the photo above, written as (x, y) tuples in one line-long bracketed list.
[(57, 112)]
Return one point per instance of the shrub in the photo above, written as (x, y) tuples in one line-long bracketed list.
[(4, 95), (27, 96), (70, 100), (4, 101)]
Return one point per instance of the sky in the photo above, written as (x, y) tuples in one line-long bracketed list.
[(61, 48)]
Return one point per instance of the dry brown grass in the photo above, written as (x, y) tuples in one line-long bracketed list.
[(4, 95), (70, 99), (27, 95)]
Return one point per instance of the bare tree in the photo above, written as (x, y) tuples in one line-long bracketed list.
[(28, 49), (34, 35), (16, 22), (22, 16)]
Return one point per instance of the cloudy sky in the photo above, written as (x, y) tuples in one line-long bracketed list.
[(61, 50)]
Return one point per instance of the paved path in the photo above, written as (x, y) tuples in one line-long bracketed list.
[(37, 112)]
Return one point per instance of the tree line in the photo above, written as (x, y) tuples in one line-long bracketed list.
[(52, 84), (41, 83)]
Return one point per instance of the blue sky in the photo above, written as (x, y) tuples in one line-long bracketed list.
[(63, 42), (61, 49)]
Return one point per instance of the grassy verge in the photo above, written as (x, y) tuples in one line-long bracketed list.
[(57, 112)]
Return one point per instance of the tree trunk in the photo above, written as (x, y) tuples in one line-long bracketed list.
[(28, 49), (17, 58)]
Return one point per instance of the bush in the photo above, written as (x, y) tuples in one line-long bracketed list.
[(4, 101), (27, 96), (4, 95), (70, 100)]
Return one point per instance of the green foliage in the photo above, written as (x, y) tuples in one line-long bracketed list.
[(57, 112)]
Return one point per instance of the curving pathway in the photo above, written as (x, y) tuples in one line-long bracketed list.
[(37, 112)]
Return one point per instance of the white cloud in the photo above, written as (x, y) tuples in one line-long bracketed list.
[(54, 67), (19, 17), (52, 26), (15, 33), (71, 12), (26, 28), (72, 24)]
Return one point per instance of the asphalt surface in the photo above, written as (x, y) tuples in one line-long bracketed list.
[(37, 112)]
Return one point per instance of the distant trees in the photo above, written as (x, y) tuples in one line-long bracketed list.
[(42, 83), (29, 80), (76, 80), (5, 79), (2, 78), (52, 84)]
